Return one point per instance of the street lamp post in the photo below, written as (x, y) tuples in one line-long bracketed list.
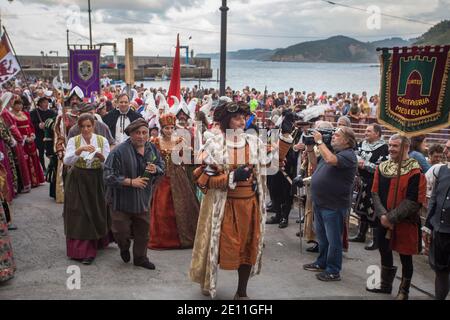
[(223, 47), (90, 25)]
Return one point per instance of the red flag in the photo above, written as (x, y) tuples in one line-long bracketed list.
[(174, 89)]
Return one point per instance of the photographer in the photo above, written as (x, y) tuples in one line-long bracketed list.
[(308, 167), (331, 188)]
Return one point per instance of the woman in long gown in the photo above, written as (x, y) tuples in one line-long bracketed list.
[(174, 207), (23, 173), (26, 129), (7, 265), (86, 219), (6, 144)]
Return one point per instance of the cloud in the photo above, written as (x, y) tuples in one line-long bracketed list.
[(37, 25)]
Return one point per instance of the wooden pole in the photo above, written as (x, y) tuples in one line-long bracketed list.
[(397, 183), (129, 64)]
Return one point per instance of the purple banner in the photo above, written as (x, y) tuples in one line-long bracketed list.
[(85, 70)]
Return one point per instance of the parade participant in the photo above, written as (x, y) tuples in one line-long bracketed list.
[(7, 143), (371, 152), (174, 208), (118, 119), (23, 173), (436, 233), (400, 220), (153, 128), (281, 190), (99, 128), (331, 188), (129, 175), (86, 220), (38, 118), (7, 264), (62, 125), (49, 145), (230, 230), (26, 128)]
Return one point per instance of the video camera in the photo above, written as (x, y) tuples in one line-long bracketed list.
[(327, 134)]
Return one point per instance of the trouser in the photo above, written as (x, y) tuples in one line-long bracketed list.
[(122, 226), (387, 259), (329, 227), (281, 195)]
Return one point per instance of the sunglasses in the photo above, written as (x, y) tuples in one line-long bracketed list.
[(234, 107)]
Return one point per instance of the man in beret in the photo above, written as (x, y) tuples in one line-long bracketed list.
[(129, 174)]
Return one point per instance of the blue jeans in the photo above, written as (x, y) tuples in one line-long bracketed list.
[(329, 226)]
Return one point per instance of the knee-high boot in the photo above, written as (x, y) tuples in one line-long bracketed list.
[(387, 278), (403, 290)]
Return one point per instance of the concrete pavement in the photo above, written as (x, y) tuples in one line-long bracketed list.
[(40, 253)]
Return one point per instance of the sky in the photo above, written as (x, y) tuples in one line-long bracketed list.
[(40, 25)]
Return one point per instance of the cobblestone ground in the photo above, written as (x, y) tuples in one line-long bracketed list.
[(40, 253)]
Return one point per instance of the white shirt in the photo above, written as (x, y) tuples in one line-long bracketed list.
[(71, 158), (431, 176), (122, 122)]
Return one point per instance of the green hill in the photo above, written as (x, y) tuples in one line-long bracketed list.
[(392, 42), (334, 49), (437, 35), (247, 54)]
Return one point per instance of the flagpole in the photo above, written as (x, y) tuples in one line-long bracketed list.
[(21, 70)]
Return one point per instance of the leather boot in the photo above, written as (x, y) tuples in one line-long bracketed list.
[(284, 216), (387, 278), (362, 230), (373, 245), (403, 290)]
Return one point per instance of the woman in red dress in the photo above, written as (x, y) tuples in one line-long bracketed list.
[(23, 172), (25, 126), (174, 207)]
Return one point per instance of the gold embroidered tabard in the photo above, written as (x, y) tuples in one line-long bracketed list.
[(389, 168)]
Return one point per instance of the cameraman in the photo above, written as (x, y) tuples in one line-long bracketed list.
[(309, 165), (331, 188)]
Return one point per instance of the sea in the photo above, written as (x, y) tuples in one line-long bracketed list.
[(281, 76)]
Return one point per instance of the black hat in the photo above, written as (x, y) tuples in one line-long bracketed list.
[(85, 107), (136, 124), (42, 99), (227, 108)]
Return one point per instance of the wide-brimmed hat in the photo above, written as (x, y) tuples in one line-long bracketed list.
[(225, 109)]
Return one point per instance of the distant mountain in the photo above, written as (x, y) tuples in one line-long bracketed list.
[(392, 42), (334, 49), (249, 54), (339, 48), (437, 35)]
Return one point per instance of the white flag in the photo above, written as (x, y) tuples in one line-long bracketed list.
[(9, 66)]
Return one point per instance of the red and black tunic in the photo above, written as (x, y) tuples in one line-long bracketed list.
[(405, 238)]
